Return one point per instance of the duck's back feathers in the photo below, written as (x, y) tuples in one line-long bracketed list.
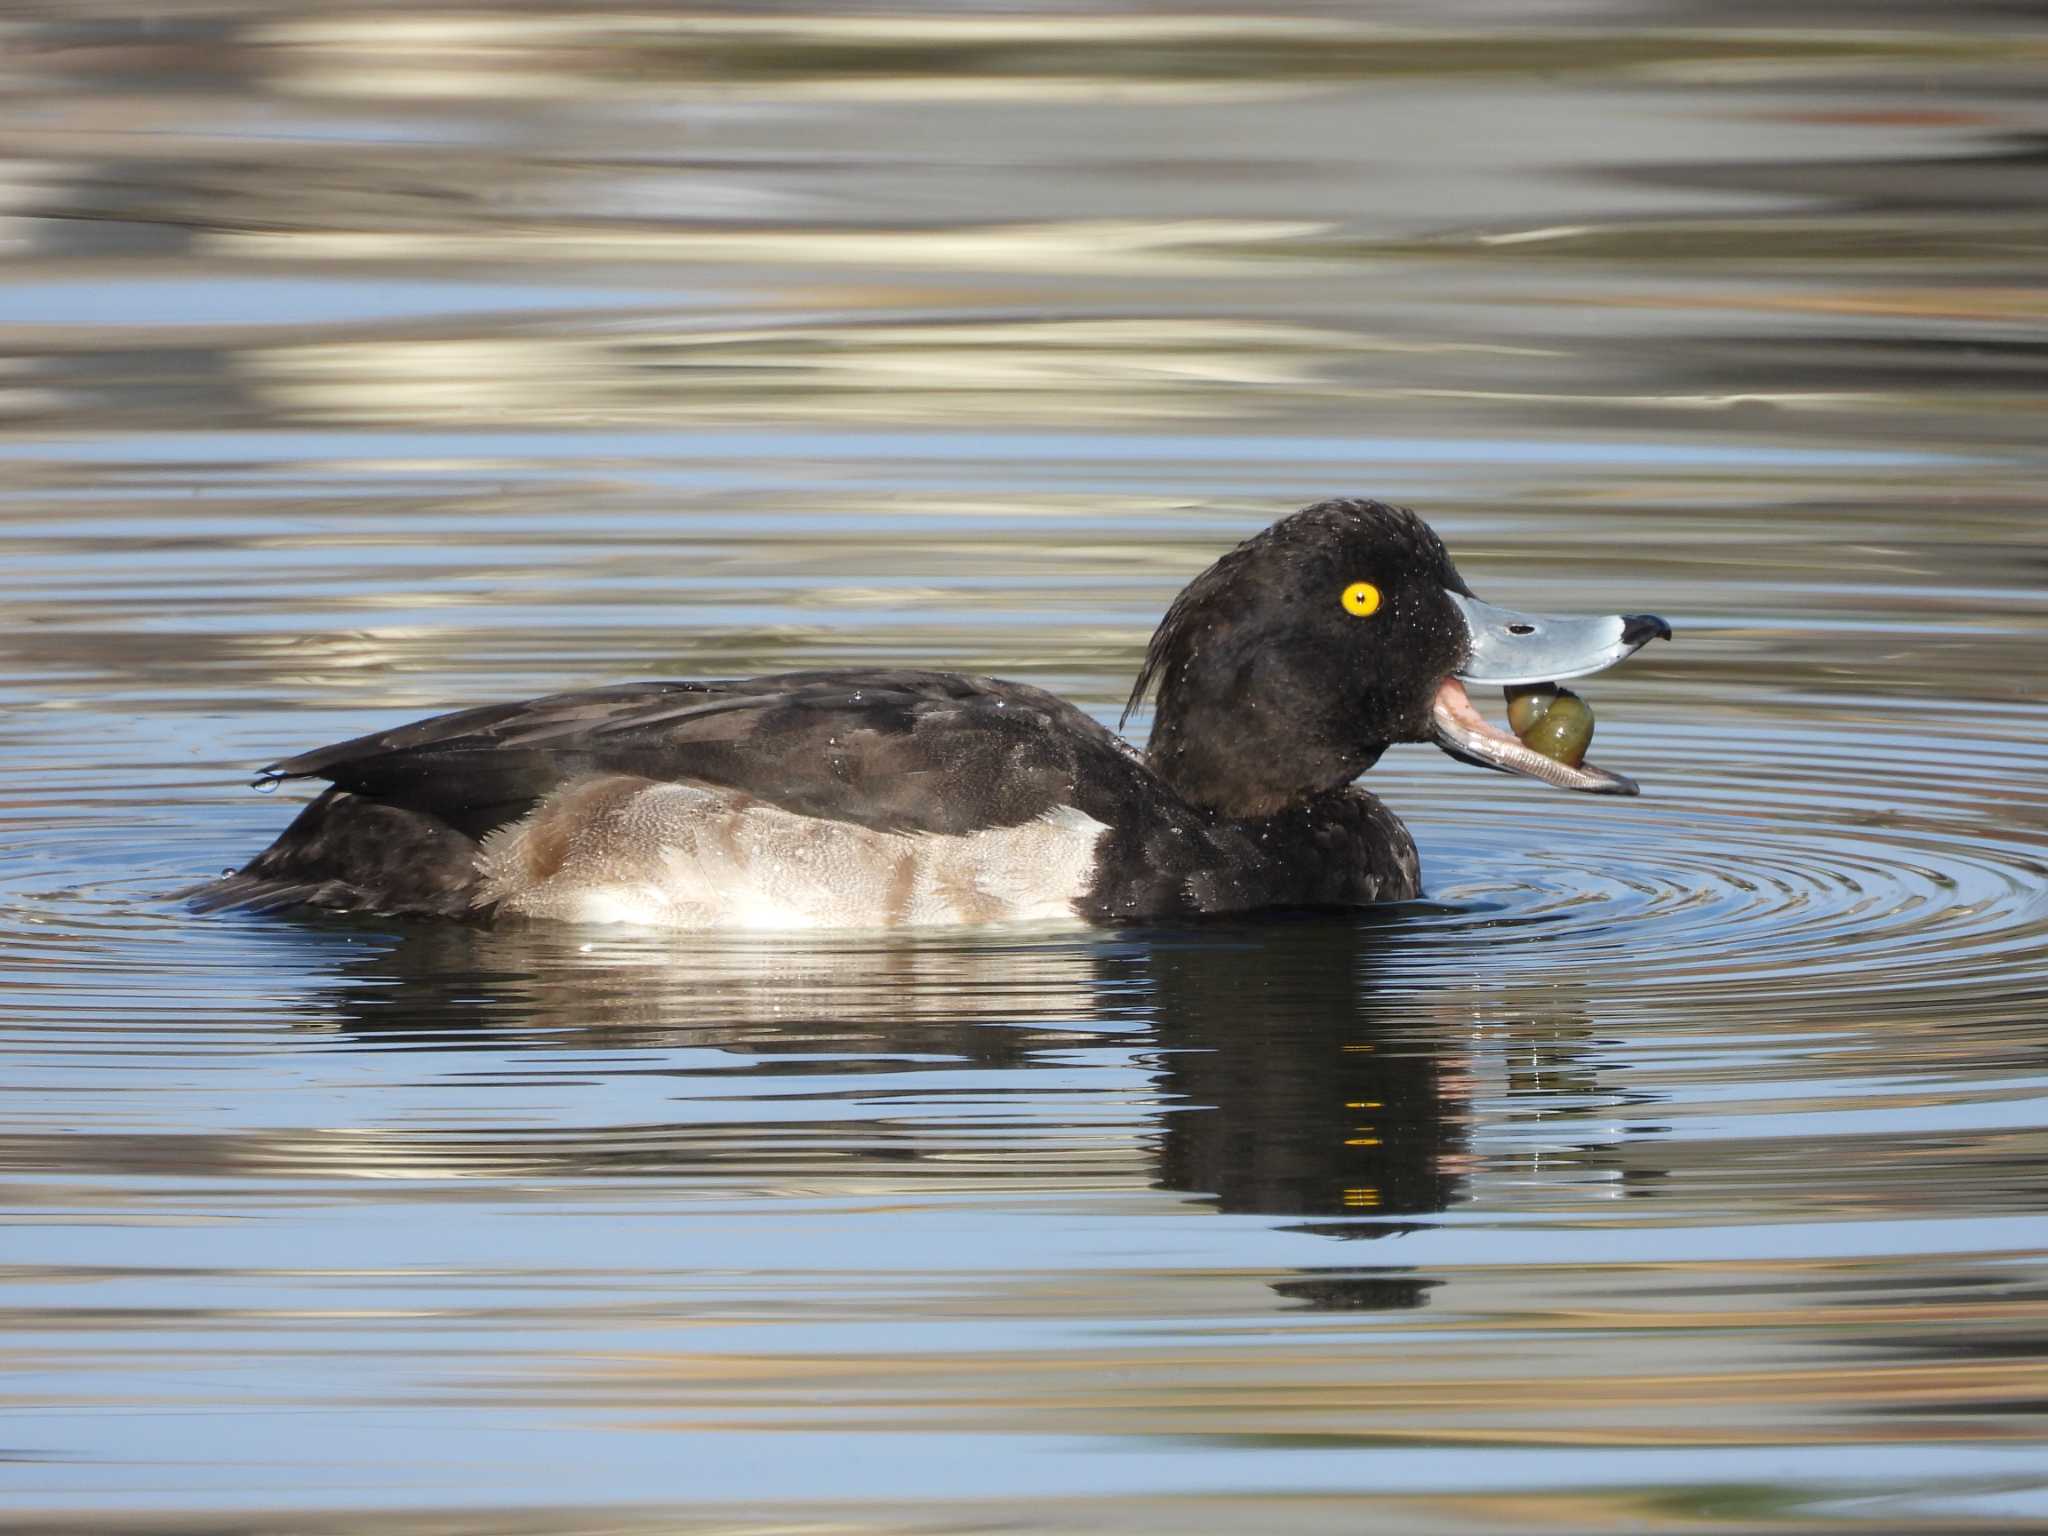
[(896, 751)]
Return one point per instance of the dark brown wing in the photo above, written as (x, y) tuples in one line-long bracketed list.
[(904, 751)]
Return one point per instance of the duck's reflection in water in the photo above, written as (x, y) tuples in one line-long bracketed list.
[(1288, 1068)]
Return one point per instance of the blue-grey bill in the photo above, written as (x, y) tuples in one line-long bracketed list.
[(1509, 647)]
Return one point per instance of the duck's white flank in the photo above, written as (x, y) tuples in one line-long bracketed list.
[(632, 850)]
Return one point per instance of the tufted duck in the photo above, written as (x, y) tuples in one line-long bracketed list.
[(896, 798)]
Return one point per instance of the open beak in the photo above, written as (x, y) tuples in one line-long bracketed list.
[(1509, 648)]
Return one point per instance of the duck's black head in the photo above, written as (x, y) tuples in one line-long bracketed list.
[(1292, 663)]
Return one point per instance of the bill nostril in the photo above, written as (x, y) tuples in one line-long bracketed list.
[(1521, 629)]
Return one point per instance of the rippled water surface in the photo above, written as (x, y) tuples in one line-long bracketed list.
[(1679, 1163)]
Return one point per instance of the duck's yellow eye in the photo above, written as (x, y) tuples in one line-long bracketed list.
[(1361, 599)]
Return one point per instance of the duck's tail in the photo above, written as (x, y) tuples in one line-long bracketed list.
[(352, 854)]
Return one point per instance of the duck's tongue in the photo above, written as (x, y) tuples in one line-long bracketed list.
[(1468, 736)]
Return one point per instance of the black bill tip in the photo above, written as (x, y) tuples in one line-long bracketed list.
[(1641, 628)]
